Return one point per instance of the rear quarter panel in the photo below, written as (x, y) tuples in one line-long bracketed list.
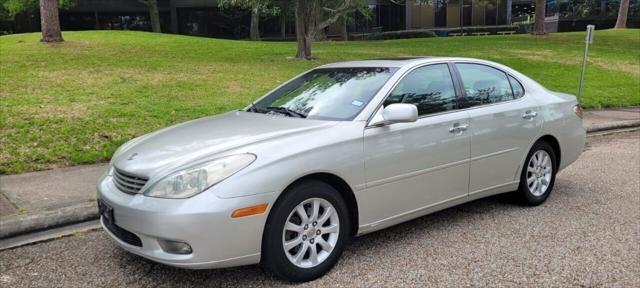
[(561, 122)]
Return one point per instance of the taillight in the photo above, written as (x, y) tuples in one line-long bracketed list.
[(578, 110)]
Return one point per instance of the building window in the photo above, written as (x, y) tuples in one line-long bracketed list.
[(440, 8), (453, 14), (491, 12), (389, 17), (502, 12), (466, 12)]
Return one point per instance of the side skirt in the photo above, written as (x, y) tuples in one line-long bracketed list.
[(409, 215), (416, 213)]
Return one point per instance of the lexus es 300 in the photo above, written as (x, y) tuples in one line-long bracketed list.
[(341, 150)]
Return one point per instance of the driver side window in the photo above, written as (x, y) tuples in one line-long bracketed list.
[(430, 88)]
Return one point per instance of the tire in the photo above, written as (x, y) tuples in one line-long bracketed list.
[(283, 264), (535, 192)]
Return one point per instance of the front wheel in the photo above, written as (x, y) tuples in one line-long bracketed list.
[(306, 232), (538, 174)]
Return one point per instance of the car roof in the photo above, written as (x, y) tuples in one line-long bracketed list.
[(394, 62)]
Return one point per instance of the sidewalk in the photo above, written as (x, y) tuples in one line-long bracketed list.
[(607, 119), (40, 200)]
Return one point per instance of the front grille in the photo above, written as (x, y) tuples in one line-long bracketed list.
[(127, 182), (122, 234)]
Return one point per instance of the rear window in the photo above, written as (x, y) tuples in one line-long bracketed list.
[(518, 90), (484, 84)]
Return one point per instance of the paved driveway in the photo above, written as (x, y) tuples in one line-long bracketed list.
[(587, 233)]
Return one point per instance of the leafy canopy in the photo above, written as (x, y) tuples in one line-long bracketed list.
[(9, 8)]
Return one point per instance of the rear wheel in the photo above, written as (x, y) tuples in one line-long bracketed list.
[(306, 232), (538, 175)]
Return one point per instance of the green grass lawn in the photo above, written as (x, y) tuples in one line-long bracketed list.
[(76, 102)]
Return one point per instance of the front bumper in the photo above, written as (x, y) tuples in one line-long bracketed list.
[(203, 221)]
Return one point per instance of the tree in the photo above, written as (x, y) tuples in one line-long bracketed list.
[(581, 8), (538, 20), (154, 14), (254, 27), (5, 15), (50, 22), (284, 11), (622, 14), (312, 16), (257, 7)]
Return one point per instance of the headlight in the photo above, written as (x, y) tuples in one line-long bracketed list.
[(193, 180)]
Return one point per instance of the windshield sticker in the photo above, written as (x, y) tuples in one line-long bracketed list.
[(357, 103)]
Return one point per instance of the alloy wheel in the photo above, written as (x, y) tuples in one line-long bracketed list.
[(310, 232), (539, 173)]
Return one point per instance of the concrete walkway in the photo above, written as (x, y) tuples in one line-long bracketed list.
[(40, 200), (596, 120)]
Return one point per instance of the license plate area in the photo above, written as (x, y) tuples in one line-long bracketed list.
[(106, 212)]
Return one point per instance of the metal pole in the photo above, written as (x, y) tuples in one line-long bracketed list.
[(588, 40)]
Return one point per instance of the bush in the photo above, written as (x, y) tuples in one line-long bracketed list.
[(390, 35)]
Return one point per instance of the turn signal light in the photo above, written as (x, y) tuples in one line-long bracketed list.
[(248, 211)]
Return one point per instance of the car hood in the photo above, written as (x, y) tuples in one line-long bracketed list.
[(196, 140)]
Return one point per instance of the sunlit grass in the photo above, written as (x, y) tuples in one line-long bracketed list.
[(76, 102)]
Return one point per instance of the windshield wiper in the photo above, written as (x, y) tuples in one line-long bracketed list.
[(253, 108), (287, 111)]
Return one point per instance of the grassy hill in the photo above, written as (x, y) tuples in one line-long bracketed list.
[(76, 102)]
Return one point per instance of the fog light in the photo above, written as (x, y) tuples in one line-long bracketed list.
[(175, 247)]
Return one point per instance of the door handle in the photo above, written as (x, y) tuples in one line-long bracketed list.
[(458, 128), (529, 114)]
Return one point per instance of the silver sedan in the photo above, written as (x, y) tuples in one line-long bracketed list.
[(339, 151)]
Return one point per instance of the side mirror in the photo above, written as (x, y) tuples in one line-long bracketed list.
[(395, 113)]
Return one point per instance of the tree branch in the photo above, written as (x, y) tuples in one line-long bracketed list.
[(339, 12)]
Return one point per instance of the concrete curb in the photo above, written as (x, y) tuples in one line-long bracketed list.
[(613, 125), (20, 224)]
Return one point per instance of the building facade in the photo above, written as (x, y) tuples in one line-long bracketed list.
[(205, 18), (458, 13)]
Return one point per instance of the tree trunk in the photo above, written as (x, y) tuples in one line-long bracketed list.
[(154, 16), (254, 28), (304, 37), (538, 25), (622, 14), (344, 34), (310, 25), (49, 21), (283, 19)]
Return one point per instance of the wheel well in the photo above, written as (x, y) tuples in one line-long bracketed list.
[(341, 186), (554, 144)]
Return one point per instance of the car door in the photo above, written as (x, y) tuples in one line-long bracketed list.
[(503, 124), (410, 167)]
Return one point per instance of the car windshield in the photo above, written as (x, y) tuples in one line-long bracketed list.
[(326, 93)]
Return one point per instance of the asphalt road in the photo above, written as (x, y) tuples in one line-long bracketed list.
[(586, 234)]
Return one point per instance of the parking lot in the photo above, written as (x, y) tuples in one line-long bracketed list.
[(586, 234)]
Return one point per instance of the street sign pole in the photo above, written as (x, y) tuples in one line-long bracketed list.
[(587, 40)]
